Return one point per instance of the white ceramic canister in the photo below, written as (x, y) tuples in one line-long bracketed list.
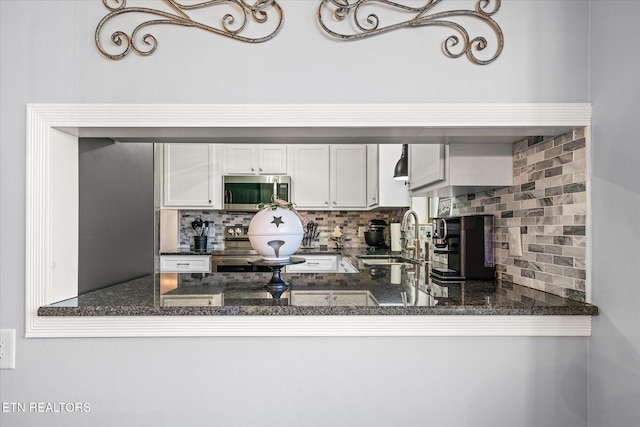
[(276, 234)]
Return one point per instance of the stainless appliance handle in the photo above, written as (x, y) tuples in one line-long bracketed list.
[(228, 196), (444, 228)]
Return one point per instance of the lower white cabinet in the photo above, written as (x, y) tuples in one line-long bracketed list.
[(332, 298), (212, 300), (322, 264), (315, 264), (185, 264)]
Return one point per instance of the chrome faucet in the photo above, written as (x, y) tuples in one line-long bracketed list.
[(416, 241)]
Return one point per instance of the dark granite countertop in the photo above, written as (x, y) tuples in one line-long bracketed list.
[(380, 290)]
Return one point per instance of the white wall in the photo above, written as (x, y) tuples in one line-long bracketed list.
[(614, 350), (48, 55)]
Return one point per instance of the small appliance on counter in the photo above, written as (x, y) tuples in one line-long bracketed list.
[(468, 243), (375, 237)]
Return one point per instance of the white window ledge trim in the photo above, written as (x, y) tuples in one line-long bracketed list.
[(43, 119)]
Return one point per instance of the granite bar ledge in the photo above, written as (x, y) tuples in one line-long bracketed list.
[(245, 296)]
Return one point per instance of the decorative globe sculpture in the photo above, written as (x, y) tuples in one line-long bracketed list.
[(275, 233)]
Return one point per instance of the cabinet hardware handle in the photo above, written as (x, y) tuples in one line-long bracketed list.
[(182, 263), (260, 169)]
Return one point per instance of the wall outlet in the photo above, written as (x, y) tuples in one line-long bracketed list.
[(515, 241), (7, 348)]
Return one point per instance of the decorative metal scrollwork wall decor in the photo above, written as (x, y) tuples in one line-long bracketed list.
[(232, 24), (357, 19), (364, 15)]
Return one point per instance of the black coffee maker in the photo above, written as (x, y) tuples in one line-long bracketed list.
[(375, 237), (468, 243)]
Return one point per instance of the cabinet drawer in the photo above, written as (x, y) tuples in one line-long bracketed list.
[(191, 300), (315, 264), (185, 264), (333, 298)]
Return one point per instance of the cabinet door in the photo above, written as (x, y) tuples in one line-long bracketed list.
[(373, 176), (272, 159), (357, 299), (311, 298), (426, 164), (188, 169), (191, 300), (348, 176), (240, 159), (309, 165)]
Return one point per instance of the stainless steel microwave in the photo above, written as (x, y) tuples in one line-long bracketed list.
[(244, 193)]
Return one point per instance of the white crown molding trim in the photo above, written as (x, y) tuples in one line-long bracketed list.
[(43, 118), (313, 115)]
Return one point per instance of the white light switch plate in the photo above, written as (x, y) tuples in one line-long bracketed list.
[(515, 241), (7, 348)]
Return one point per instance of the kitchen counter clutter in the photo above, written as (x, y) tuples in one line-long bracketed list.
[(396, 288)]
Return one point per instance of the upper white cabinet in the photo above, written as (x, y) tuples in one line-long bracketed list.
[(373, 175), (309, 168), (192, 176), (382, 189), (329, 176), (348, 171), (256, 159), (426, 165), (457, 169)]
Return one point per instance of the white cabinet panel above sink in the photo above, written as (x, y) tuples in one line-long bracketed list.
[(446, 170)]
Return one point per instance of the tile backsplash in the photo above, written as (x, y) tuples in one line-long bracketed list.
[(548, 202), (353, 224)]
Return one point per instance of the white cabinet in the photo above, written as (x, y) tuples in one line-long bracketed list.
[(315, 264), (185, 263), (329, 176), (309, 168), (458, 169), (256, 159), (426, 165), (382, 189), (373, 175), (191, 176), (348, 171), (332, 298), (323, 264), (208, 300)]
